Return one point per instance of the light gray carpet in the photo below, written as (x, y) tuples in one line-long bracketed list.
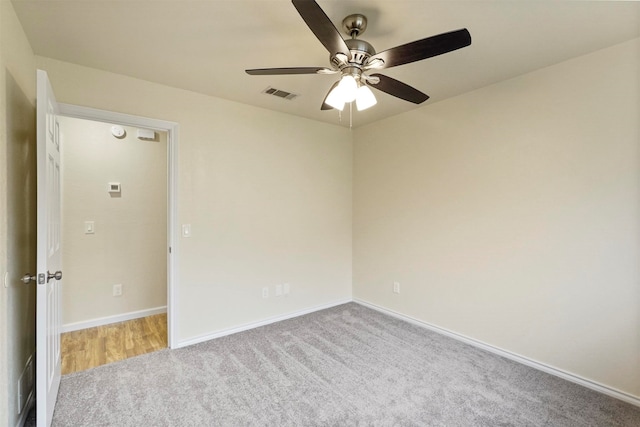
[(345, 366)]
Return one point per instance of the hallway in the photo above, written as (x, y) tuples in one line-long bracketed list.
[(88, 348)]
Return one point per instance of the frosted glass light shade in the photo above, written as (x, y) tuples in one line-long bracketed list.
[(348, 88), (365, 98), (335, 99)]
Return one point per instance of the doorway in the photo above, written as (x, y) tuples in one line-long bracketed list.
[(122, 221)]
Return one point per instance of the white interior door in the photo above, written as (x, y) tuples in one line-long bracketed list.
[(49, 265)]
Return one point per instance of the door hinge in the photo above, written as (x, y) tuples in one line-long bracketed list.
[(169, 249)]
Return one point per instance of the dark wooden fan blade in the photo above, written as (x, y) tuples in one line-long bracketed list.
[(398, 89), (290, 70), (326, 106), (423, 49), (320, 24)]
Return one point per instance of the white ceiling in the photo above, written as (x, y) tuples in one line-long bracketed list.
[(205, 45)]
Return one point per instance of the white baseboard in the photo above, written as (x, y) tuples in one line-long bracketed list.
[(593, 385), (252, 325), (69, 327)]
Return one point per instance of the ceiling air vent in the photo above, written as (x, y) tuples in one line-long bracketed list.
[(280, 93)]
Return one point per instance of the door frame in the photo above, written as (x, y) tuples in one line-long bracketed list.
[(172, 129)]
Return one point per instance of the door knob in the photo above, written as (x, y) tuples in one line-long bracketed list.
[(57, 275), (27, 278)]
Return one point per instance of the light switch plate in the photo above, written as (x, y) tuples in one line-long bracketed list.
[(186, 230)]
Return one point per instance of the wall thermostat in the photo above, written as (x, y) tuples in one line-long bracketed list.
[(117, 131), (114, 187)]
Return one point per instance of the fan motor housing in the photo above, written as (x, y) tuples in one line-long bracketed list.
[(360, 50)]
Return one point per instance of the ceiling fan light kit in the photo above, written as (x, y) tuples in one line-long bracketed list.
[(354, 58), (349, 90)]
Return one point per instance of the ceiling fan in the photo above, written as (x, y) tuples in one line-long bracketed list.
[(355, 58)]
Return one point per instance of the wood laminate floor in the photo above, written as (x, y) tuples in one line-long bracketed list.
[(88, 348)]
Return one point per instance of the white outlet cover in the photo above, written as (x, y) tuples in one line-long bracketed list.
[(117, 290)]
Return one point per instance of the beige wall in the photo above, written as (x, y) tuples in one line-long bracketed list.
[(510, 215), (129, 246), (268, 197), (17, 226)]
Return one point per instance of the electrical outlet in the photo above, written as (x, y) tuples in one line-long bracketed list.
[(117, 290), (278, 290), (396, 287), (265, 292), (286, 289)]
